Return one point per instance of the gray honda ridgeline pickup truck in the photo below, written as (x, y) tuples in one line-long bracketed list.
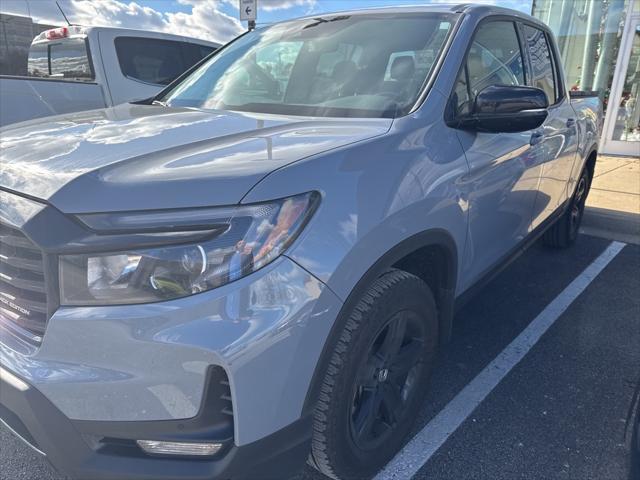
[(256, 267)]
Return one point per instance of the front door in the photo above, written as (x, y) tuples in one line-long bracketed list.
[(504, 168), (621, 134)]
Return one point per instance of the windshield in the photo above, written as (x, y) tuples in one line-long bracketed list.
[(371, 65)]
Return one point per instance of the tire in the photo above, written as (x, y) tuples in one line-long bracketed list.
[(564, 232), (397, 313)]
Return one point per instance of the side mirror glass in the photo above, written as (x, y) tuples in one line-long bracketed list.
[(502, 108)]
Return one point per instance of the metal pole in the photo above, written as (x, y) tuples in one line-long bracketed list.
[(566, 10), (591, 44), (605, 62)]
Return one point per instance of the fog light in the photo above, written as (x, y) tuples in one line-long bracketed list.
[(155, 447)]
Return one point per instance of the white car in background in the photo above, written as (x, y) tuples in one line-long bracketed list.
[(76, 68)]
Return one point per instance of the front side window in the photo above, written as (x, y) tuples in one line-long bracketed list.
[(372, 65), (150, 60), (494, 58), (542, 66), (274, 69)]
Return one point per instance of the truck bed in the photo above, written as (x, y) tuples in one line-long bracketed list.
[(25, 98)]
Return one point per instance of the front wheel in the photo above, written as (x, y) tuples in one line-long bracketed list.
[(565, 231), (376, 379)]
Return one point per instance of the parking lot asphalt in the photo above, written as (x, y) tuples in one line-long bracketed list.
[(561, 413)]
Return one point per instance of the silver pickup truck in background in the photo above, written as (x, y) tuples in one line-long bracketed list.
[(78, 68)]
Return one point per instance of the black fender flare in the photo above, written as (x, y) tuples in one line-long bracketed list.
[(446, 297)]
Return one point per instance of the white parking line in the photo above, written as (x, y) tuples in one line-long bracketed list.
[(422, 447)]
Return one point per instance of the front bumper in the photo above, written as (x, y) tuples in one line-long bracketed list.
[(73, 448), (141, 372)]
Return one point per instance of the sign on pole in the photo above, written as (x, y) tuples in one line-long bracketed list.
[(248, 10)]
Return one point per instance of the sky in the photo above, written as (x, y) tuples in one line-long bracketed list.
[(215, 20)]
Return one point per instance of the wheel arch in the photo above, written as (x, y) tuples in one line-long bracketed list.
[(423, 243), (590, 163)]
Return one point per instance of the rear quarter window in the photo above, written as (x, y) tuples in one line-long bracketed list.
[(543, 75)]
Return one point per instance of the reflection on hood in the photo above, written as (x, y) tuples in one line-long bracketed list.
[(132, 156)]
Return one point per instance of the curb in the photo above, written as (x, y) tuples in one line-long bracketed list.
[(616, 225)]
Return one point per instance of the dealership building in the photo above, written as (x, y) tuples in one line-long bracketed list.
[(599, 41)]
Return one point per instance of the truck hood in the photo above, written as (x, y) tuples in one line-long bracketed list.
[(137, 157)]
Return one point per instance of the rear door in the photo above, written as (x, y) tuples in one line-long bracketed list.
[(560, 130), (504, 172)]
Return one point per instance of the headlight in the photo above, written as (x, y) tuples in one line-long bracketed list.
[(242, 239)]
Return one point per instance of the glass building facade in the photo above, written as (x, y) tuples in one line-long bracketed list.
[(599, 41)]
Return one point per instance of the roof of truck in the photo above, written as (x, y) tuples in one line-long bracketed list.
[(479, 10), (87, 29)]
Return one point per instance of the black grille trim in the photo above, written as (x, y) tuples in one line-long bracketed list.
[(23, 288)]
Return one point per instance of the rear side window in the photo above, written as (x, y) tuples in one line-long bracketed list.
[(494, 58), (157, 61), (542, 75), (193, 53), (150, 60), (203, 50), (328, 61), (67, 59)]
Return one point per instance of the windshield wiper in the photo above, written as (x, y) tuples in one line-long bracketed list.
[(160, 102), (320, 21)]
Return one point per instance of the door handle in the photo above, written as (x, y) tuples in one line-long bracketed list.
[(536, 137), (571, 122)]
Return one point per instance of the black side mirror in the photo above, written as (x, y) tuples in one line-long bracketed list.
[(502, 108)]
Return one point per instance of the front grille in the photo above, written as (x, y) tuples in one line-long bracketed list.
[(23, 295)]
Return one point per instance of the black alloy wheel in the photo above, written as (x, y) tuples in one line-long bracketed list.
[(386, 380), (375, 377), (577, 206), (564, 232)]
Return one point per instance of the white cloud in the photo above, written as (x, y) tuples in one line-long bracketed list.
[(205, 20), (270, 5)]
